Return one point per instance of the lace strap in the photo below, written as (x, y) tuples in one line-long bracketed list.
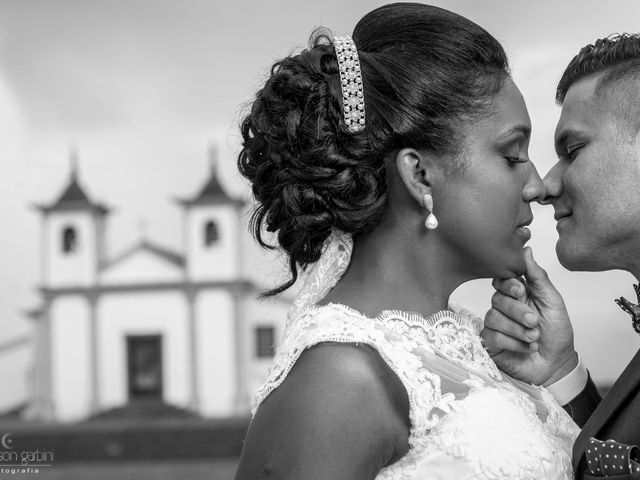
[(323, 275)]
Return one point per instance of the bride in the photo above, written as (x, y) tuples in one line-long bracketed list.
[(393, 167)]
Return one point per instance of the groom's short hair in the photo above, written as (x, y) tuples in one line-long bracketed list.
[(616, 59)]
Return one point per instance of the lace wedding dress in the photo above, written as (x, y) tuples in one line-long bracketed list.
[(468, 421)]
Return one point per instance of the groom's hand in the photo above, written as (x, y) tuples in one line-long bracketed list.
[(527, 330)]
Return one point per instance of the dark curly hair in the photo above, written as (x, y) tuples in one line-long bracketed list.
[(424, 70)]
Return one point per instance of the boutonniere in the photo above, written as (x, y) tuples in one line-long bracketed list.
[(631, 308)]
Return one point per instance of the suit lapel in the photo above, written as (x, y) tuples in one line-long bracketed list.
[(618, 393)]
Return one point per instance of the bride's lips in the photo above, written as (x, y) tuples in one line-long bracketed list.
[(523, 231)]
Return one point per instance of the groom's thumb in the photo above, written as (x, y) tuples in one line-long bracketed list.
[(537, 278)]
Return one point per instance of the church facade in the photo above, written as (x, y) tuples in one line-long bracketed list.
[(183, 328)]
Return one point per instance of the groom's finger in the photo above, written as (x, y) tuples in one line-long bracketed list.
[(497, 321), (514, 309), (496, 342), (539, 286), (536, 276), (510, 286)]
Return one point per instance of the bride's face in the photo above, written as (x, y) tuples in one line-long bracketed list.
[(484, 208)]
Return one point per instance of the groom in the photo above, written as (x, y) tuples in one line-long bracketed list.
[(595, 191)]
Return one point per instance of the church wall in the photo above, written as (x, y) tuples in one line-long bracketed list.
[(215, 315), (71, 358), (218, 261), (262, 313), (16, 371), (150, 313), (77, 268), (142, 267)]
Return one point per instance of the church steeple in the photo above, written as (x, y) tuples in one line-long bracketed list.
[(211, 192), (213, 159), (73, 197), (212, 230), (73, 229), (73, 161)]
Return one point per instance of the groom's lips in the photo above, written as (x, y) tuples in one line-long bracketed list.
[(561, 214), (560, 217)]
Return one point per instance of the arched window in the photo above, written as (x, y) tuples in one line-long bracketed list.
[(69, 240), (210, 233), (265, 341)]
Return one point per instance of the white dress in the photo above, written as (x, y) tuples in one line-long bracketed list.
[(468, 420)]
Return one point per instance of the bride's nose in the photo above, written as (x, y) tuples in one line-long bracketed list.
[(534, 189)]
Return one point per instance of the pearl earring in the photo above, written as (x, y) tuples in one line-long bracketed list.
[(431, 223)]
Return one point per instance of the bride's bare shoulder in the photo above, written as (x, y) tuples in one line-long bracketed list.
[(340, 410)]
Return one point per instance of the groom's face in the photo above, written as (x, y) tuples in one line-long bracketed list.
[(595, 186)]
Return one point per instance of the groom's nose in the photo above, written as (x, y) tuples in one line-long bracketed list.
[(553, 183)]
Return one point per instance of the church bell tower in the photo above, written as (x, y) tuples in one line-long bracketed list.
[(72, 236), (212, 231)]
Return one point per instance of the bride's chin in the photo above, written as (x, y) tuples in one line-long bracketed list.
[(519, 269), (514, 269)]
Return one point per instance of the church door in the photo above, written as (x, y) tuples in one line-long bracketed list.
[(144, 360)]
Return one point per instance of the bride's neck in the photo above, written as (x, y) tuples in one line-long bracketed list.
[(384, 273)]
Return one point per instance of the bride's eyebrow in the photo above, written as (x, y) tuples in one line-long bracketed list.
[(513, 135), (518, 129)]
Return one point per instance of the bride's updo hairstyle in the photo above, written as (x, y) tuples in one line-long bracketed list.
[(425, 71)]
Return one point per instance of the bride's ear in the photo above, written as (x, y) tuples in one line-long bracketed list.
[(417, 171)]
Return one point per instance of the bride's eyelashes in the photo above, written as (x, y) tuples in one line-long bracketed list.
[(517, 159), (514, 151)]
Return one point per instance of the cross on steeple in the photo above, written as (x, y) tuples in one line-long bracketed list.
[(73, 161), (213, 158)]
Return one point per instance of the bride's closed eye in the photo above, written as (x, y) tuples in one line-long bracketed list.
[(516, 155), (517, 159)]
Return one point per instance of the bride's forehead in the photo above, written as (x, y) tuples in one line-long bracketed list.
[(504, 116)]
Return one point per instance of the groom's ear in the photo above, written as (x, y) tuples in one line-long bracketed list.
[(418, 171)]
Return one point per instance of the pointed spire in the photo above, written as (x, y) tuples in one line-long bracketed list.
[(213, 158), (73, 197), (73, 160), (212, 191)]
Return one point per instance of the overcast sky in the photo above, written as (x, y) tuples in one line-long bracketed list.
[(141, 87)]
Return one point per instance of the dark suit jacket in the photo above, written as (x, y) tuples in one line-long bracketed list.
[(616, 417)]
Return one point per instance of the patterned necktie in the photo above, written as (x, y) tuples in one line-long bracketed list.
[(631, 308), (611, 458)]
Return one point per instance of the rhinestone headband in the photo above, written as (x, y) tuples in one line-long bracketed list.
[(351, 83)]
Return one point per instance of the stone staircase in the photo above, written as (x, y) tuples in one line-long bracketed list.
[(140, 431)]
